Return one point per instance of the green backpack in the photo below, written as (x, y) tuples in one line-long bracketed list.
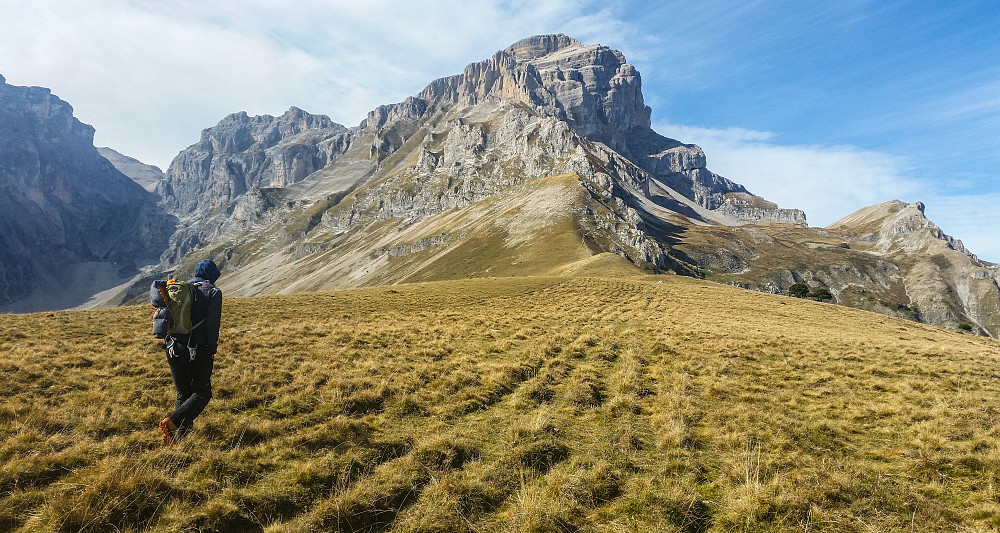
[(180, 299), (174, 301)]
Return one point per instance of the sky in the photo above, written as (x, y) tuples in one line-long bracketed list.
[(822, 106)]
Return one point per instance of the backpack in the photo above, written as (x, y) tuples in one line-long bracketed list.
[(174, 301)]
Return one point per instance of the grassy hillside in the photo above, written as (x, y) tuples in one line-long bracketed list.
[(513, 404), (533, 228)]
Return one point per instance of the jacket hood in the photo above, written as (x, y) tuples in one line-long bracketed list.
[(207, 270)]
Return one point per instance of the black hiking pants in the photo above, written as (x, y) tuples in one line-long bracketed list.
[(193, 381)]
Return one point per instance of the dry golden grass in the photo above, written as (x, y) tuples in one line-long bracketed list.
[(516, 404)]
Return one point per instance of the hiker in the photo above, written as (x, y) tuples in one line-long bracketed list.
[(192, 356)]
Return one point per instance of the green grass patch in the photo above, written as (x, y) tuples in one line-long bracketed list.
[(507, 404)]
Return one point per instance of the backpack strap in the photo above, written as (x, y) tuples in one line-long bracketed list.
[(191, 335)]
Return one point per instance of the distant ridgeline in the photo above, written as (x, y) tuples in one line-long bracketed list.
[(527, 163)]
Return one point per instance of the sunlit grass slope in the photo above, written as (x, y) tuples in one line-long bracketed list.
[(515, 404)]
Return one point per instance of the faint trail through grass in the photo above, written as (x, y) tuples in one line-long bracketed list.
[(507, 404)]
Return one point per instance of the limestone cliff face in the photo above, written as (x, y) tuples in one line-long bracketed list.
[(461, 162), (749, 208), (591, 88), (599, 95), (243, 152), (63, 205)]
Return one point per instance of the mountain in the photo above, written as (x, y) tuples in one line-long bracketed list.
[(548, 140), (539, 160), (887, 258), (946, 283), (148, 176), (71, 225)]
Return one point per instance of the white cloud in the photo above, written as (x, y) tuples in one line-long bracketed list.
[(831, 182), (827, 182), (149, 75), (147, 81)]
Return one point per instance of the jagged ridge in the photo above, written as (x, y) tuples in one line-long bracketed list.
[(584, 106)]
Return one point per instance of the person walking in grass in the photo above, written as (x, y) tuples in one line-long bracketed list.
[(192, 356)]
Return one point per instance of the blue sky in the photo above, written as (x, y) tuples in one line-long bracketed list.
[(823, 106)]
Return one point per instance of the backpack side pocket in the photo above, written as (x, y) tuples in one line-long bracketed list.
[(161, 321)]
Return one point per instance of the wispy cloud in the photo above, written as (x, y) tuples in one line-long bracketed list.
[(827, 182), (967, 115), (149, 75)]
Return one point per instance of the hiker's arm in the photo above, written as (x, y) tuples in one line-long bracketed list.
[(213, 320)]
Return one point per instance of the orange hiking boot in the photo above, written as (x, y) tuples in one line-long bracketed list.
[(168, 428)]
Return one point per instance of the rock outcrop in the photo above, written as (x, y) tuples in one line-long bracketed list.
[(241, 153), (888, 258), (749, 208), (64, 209), (943, 281)]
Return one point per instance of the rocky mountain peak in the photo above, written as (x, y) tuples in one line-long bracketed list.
[(898, 226), (540, 45), (599, 95), (243, 152), (591, 87), (295, 121), (44, 114)]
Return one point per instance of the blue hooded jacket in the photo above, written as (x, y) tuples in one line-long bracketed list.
[(207, 270)]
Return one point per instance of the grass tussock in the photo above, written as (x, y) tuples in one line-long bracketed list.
[(517, 404)]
